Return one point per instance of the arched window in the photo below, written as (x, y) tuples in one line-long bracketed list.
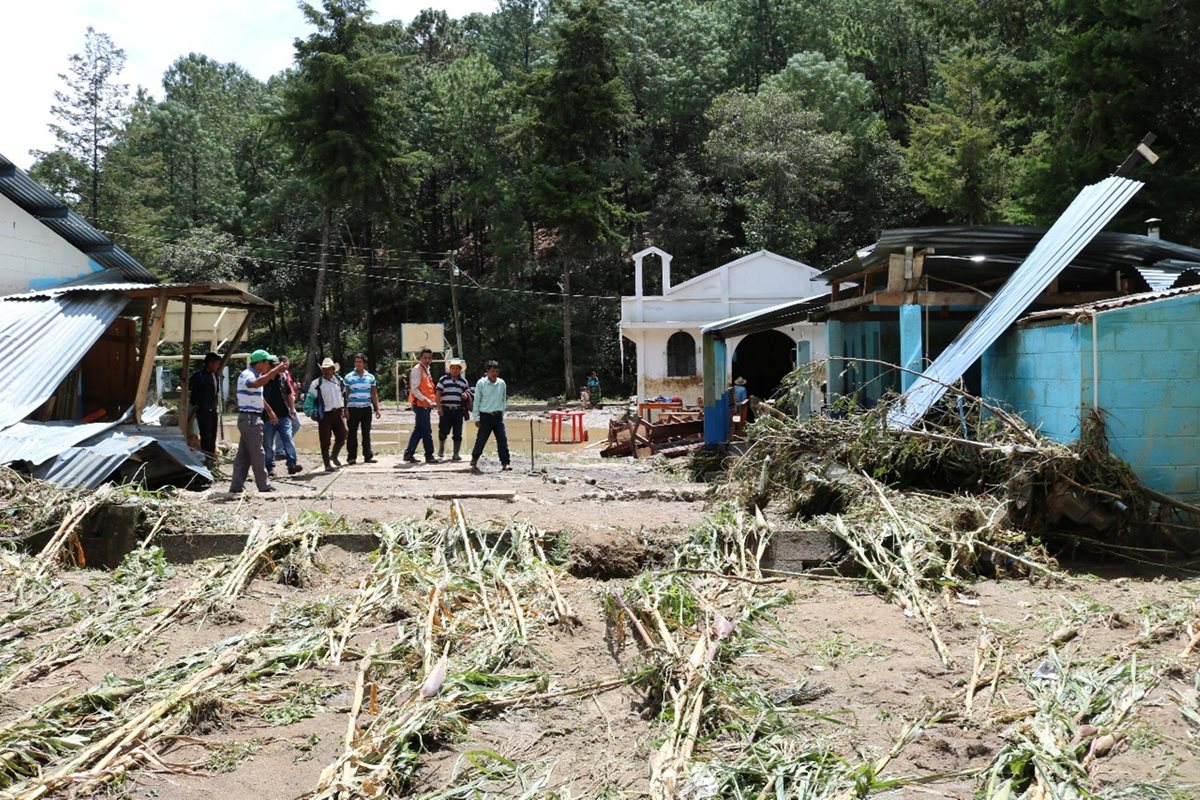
[(681, 355)]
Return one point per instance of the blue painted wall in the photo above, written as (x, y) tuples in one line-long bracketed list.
[(1036, 371), (1149, 386)]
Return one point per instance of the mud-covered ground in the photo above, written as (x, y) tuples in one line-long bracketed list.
[(853, 671)]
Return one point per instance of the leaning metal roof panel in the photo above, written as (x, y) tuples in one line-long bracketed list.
[(768, 318), (42, 340), (1088, 213), (37, 201)]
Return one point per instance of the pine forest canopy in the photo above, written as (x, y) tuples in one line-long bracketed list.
[(522, 155)]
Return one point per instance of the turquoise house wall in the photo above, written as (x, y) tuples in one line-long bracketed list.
[(1149, 364), (1149, 385), (863, 344), (1036, 372)]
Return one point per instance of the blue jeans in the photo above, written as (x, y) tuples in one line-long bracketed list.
[(422, 432), (489, 424), (277, 438)]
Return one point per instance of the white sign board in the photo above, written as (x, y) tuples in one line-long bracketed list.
[(416, 337)]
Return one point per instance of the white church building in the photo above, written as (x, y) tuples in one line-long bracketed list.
[(665, 327)]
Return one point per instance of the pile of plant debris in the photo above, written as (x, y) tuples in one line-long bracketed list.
[(973, 491)]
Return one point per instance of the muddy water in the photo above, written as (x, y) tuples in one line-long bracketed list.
[(391, 436)]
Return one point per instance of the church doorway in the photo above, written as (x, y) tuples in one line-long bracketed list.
[(763, 359)]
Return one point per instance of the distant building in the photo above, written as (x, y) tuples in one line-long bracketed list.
[(665, 327)]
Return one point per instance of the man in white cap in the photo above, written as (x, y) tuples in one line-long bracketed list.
[(330, 392), (454, 406), (250, 453)]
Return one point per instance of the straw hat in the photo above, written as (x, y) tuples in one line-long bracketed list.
[(328, 363), (740, 382)]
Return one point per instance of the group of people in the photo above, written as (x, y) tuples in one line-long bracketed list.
[(455, 400), (343, 408)]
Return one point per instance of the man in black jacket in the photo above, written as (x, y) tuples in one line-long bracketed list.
[(277, 435), (204, 391)]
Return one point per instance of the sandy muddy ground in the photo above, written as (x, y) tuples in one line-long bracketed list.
[(559, 488), (849, 669)]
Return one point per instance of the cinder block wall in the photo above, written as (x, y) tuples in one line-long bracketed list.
[(1036, 371), (1149, 387)]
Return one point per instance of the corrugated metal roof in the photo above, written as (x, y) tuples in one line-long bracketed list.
[(42, 340), (768, 318), (36, 200), (93, 462), (1110, 305), (38, 442), (982, 251), (213, 294), (1091, 210)]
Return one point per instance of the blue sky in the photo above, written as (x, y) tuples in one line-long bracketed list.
[(257, 34)]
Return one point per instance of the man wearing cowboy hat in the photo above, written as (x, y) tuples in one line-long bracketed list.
[(250, 453), (330, 393), (454, 406), (740, 393)]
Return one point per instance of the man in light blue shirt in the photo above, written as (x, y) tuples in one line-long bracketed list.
[(362, 398), (491, 399)]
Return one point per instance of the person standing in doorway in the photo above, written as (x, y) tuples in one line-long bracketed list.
[(277, 426), (362, 399), (204, 393), (491, 400), (454, 397), (331, 413), (250, 453), (422, 396)]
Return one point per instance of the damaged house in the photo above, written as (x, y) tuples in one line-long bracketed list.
[(81, 323), (1063, 325)]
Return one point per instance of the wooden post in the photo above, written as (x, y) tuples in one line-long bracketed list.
[(237, 337), (150, 338), (185, 406)]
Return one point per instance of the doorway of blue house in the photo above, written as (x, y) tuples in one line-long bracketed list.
[(763, 359)]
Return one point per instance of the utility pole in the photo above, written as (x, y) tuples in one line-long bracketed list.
[(454, 303), (568, 366)]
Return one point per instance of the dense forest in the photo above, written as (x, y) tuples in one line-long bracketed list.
[(504, 166)]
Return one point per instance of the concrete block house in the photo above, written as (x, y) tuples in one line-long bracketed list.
[(1134, 358)]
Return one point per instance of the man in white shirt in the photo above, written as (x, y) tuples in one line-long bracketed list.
[(250, 453), (331, 404)]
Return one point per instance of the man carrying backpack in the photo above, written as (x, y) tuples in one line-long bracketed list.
[(327, 395)]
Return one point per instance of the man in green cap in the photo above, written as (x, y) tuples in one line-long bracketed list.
[(250, 453)]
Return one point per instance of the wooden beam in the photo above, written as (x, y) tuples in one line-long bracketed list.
[(911, 282), (150, 337), (930, 298), (237, 338), (850, 302), (185, 408), (896, 277)]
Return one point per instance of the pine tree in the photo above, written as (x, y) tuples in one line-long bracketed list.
[(340, 124), (90, 112), (581, 109)]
